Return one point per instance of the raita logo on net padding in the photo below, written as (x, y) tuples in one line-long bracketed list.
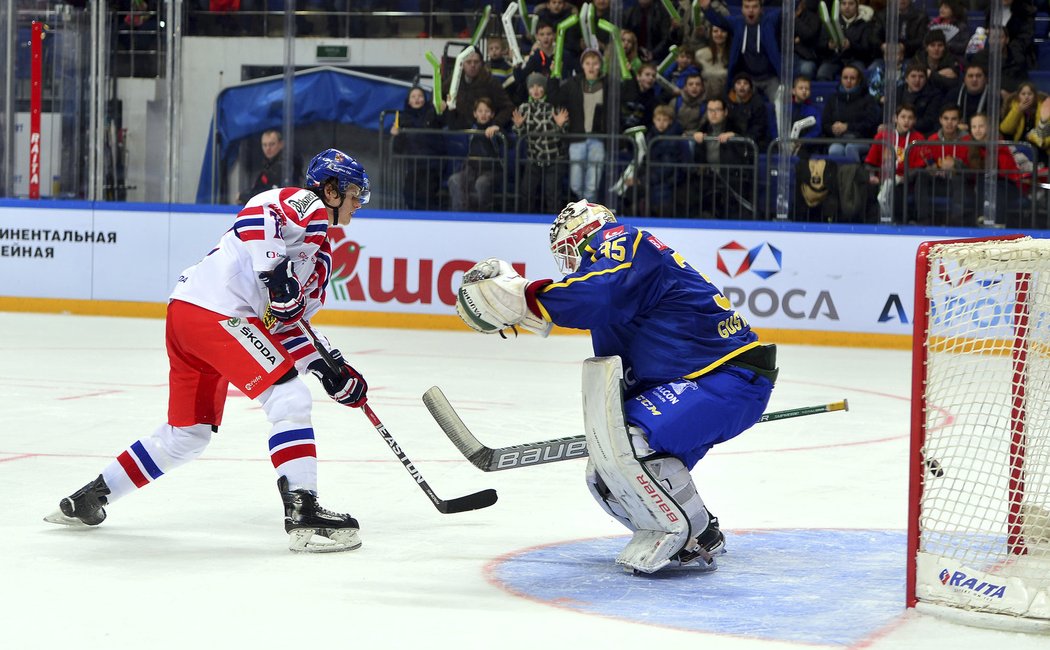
[(356, 278), (962, 582)]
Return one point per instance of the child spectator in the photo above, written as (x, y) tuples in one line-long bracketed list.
[(902, 135), (635, 57), (542, 126), (496, 59), (422, 152), (666, 161), (689, 107), (683, 66), (553, 12), (1008, 182), (638, 98), (802, 107), (473, 186)]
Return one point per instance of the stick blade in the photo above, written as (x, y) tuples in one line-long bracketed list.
[(449, 421), (475, 501)]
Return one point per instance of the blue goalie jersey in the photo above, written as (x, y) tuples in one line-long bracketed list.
[(643, 302)]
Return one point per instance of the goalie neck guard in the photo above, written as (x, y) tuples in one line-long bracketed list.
[(573, 228)]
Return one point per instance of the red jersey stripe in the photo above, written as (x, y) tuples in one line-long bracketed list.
[(132, 469), (282, 456)]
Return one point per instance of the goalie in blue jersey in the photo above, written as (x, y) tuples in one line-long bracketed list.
[(676, 371)]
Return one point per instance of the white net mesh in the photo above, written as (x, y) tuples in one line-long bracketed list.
[(984, 517)]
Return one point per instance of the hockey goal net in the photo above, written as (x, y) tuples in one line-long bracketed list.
[(979, 512)]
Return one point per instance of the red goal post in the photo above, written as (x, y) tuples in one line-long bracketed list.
[(979, 465)]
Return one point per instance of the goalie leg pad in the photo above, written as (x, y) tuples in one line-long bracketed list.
[(644, 486), (601, 493)]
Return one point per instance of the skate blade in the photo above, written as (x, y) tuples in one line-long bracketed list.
[(57, 517), (696, 566), (308, 540)]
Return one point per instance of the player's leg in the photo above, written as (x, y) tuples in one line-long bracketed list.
[(196, 396), (649, 492), (310, 527), (263, 369), (727, 401)]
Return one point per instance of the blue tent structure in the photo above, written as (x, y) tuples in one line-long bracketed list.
[(322, 94)]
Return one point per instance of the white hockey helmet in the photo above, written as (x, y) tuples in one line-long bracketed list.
[(573, 228)]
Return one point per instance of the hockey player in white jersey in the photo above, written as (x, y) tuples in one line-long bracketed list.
[(234, 318)]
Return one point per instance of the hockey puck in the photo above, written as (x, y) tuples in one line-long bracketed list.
[(934, 466)]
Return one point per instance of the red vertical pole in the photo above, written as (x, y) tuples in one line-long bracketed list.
[(36, 76), (1018, 417), (920, 322)]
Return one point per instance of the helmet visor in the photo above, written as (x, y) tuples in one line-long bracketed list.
[(354, 191)]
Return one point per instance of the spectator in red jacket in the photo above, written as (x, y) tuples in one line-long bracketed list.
[(903, 134)]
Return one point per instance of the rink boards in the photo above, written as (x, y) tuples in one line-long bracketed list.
[(795, 283)]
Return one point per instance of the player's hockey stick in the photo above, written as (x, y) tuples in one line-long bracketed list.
[(475, 501), (489, 459)]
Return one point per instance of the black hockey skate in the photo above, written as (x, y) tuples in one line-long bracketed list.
[(708, 545), (84, 507), (312, 528)]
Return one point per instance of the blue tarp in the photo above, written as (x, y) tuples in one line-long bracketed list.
[(321, 95)]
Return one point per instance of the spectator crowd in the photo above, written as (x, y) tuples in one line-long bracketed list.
[(698, 107)]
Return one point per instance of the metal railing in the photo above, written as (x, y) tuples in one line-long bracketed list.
[(419, 166), (956, 196)]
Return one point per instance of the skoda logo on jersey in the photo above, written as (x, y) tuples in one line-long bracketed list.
[(763, 260), (233, 322)]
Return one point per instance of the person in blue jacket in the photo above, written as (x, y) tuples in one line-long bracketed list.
[(694, 373)]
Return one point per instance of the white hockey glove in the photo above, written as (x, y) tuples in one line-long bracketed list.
[(492, 298)]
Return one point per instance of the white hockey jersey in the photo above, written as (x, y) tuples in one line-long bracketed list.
[(283, 222)]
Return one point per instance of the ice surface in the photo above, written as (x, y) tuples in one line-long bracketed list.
[(814, 510)]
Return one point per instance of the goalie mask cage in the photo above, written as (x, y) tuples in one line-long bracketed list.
[(979, 476)]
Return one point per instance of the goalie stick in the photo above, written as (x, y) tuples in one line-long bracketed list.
[(475, 501), (489, 459)]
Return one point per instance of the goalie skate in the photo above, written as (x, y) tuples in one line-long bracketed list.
[(83, 508), (699, 556), (313, 529)]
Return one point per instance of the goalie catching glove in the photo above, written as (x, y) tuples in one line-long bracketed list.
[(346, 385), (287, 302), (492, 298)]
